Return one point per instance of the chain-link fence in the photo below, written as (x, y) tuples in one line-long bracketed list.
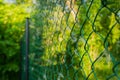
[(73, 40)]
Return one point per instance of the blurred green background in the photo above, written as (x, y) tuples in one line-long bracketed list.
[(58, 38)]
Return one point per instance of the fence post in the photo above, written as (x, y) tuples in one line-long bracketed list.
[(27, 50)]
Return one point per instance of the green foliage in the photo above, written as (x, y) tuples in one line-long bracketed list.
[(72, 48), (12, 19)]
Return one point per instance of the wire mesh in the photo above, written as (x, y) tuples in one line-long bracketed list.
[(74, 40)]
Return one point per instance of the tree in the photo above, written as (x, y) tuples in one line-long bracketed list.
[(12, 22)]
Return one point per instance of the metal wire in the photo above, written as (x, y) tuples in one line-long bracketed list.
[(75, 40)]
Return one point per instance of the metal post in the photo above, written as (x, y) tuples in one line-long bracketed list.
[(27, 50)]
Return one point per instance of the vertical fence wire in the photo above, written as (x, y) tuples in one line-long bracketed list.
[(27, 50)]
